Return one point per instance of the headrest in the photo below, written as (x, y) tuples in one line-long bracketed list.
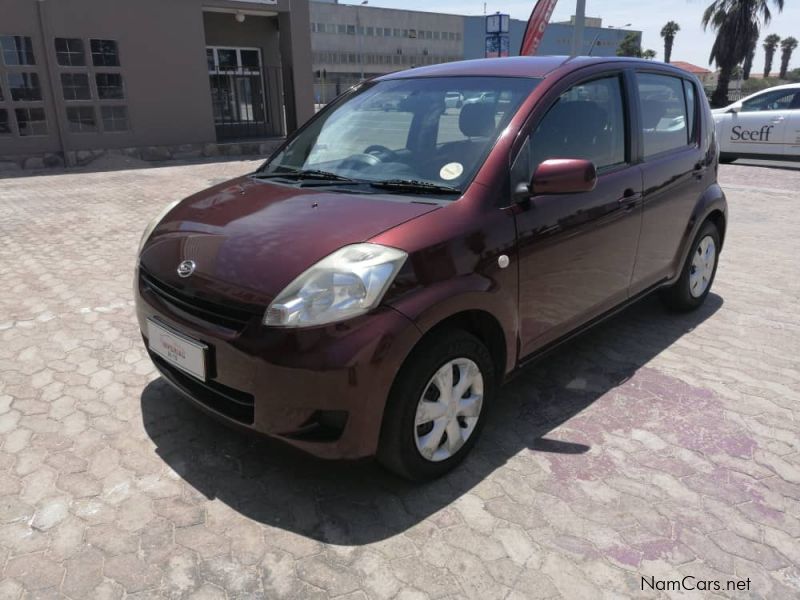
[(477, 119), (652, 112)]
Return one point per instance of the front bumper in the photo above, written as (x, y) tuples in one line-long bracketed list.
[(320, 389)]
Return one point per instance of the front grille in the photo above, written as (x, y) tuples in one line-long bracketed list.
[(230, 315), (230, 402)]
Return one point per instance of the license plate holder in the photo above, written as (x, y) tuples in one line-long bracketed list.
[(179, 350)]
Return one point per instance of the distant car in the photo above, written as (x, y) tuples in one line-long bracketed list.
[(453, 100), (764, 125), (371, 285)]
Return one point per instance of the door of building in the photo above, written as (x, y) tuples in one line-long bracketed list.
[(237, 93)]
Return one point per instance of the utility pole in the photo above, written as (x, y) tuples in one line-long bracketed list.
[(577, 28)]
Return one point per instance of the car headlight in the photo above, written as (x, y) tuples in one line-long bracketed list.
[(345, 284), (152, 225)]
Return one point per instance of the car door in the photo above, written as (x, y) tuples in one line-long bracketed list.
[(674, 172), (576, 251), (761, 124), (792, 135)]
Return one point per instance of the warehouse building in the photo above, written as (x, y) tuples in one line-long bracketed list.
[(149, 78)]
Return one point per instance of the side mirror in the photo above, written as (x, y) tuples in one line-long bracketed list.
[(563, 176), (735, 108)]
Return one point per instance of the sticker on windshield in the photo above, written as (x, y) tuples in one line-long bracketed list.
[(451, 171)]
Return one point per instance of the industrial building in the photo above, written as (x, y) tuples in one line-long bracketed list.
[(355, 41)]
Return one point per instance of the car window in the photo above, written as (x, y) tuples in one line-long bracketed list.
[(431, 129), (663, 108), (775, 100), (691, 106), (587, 121)]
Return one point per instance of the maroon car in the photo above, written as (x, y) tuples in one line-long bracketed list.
[(367, 290)]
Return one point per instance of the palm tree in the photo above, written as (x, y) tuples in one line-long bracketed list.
[(630, 45), (787, 47), (736, 22), (668, 33), (770, 45), (748, 60)]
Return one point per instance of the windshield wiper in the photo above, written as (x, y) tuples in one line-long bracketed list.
[(415, 187), (306, 174)]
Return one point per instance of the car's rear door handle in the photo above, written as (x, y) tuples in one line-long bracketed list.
[(777, 120), (699, 170), (629, 198)]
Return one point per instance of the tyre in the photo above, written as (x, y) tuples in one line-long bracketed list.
[(726, 159), (437, 406), (694, 283)]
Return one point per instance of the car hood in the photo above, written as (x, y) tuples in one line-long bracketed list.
[(249, 239)]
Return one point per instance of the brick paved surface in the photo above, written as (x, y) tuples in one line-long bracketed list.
[(657, 445)]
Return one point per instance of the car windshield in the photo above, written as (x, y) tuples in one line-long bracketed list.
[(433, 132)]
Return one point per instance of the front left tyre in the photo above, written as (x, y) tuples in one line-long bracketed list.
[(437, 406)]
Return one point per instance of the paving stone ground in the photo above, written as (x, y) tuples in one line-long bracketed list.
[(657, 446)]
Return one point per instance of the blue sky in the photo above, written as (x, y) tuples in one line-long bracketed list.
[(691, 44)]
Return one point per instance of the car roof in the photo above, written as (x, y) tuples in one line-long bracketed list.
[(515, 66)]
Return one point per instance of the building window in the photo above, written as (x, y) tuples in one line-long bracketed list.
[(115, 118), (370, 31), (387, 32), (109, 86), (5, 126), (105, 53), (351, 30), (75, 86), (81, 119), (31, 121), (250, 60), (17, 50), (341, 29), (25, 87), (69, 52)]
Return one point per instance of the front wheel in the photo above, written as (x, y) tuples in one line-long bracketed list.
[(727, 159), (694, 284), (437, 406)]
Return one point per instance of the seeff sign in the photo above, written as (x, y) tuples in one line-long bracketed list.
[(740, 134)]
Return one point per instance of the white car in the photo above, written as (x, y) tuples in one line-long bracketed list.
[(763, 125)]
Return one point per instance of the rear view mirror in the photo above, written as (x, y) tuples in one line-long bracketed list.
[(735, 108), (564, 176)]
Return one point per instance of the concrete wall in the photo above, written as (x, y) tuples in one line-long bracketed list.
[(163, 68)]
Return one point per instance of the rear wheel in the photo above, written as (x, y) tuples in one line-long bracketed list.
[(726, 159), (694, 284), (437, 406)]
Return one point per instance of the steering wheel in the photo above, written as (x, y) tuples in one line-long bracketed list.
[(381, 152), (359, 160)]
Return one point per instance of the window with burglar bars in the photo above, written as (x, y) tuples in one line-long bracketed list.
[(238, 93)]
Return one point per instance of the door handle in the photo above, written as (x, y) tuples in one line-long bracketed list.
[(777, 120), (629, 199), (699, 170)]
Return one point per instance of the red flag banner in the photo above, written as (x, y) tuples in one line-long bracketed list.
[(534, 32)]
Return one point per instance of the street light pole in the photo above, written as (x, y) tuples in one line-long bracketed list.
[(577, 28)]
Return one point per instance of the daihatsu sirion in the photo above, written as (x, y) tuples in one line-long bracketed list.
[(370, 286)]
